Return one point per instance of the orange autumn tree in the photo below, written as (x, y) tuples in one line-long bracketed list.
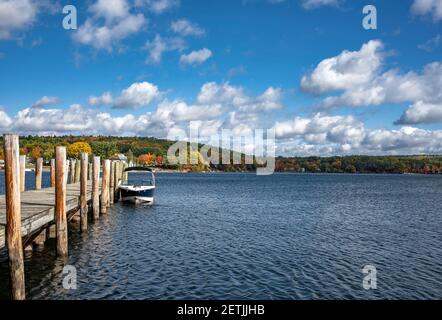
[(36, 153), (146, 159)]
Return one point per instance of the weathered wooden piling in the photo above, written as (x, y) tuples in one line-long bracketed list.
[(22, 173), (112, 183), (84, 159), (125, 175), (77, 171), (38, 173), (52, 173), (51, 232), (44, 218), (13, 217), (67, 172), (72, 171), (90, 172), (41, 238), (105, 186), (108, 173), (119, 176), (60, 202), (95, 188), (116, 179)]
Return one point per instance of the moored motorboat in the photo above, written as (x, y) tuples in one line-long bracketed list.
[(136, 187)]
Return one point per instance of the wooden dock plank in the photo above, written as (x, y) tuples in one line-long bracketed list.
[(37, 208)]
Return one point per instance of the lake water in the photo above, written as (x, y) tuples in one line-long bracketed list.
[(240, 236)]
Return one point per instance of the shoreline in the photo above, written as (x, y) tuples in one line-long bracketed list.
[(47, 169)]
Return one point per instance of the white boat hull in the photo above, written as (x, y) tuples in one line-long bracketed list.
[(137, 194), (138, 200)]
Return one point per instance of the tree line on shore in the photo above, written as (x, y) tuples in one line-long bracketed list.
[(420, 164), (153, 152), (148, 150)]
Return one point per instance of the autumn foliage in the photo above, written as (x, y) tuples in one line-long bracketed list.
[(36, 153), (77, 148), (146, 159)]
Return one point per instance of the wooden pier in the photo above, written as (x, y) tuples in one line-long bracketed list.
[(29, 217), (37, 210)]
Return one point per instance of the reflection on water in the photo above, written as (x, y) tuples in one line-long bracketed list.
[(239, 236)]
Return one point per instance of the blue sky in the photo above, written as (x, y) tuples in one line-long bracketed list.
[(149, 67)]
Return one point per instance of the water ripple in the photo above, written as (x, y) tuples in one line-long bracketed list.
[(233, 236)]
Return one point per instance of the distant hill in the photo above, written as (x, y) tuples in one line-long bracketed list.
[(155, 151)]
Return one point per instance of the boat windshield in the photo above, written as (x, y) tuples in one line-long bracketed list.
[(138, 178)]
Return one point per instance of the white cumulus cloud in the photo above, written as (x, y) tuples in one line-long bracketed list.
[(357, 79), (16, 16), (105, 99), (46, 101), (422, 112), (196, 57), (340, 135), (313, 4), (226, 106), (110, 23), (186, 28), (160, 45), (137, 95), (424, 7), (345, 71), (158, 6)]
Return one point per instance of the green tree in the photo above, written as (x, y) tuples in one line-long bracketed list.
[(48, 152), (104, 149), (130, 156)]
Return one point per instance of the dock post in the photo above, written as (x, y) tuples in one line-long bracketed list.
[(22, 173), (108, 174), (83, 191), (13, 217), (52, 173), (105, 186), (66, 173), (38, 173), (116, 179), (48, 230), (77, 170), (60, 202), (120, 177), (95, 188), (112, 182), (72, 172), (90, 172), (120, 174), (41, 238), (125, 175)]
